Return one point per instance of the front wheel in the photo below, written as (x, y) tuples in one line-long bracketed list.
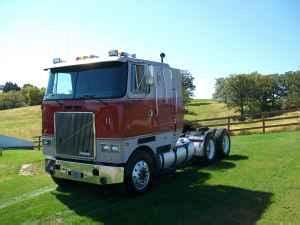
[(139, 173)]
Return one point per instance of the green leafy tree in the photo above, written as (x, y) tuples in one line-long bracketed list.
[(32, 94), (255, 93), (221, 90), (188, 86), (292, 82), (239, 90), (9, 86), (265, 94), (11, 99)]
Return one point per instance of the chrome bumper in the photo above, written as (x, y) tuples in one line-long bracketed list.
[(83, 172)]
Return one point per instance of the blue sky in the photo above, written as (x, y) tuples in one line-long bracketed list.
[(209, 38)]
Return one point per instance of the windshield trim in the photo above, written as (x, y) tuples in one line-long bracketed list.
[(79, 68)]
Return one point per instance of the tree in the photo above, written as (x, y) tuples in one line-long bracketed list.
[(221, 90), (188, 86), (265, 94), (9, 86), (239, 89), (32, 94), (292, 81), (11, 99)]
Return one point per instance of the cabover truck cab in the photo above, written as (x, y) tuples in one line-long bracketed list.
[(119, 119)]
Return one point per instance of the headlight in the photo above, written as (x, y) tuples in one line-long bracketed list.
[(115, 148), (105, 148), (110, 148)]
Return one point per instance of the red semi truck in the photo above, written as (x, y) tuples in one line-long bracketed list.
[(120, 119)]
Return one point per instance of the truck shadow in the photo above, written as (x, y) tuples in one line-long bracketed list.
[(237, 157), (227, 163), (183, 198), (222, 165)]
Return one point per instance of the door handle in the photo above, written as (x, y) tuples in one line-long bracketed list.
[(150, 113)]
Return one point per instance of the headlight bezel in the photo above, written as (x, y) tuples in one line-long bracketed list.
[(110, 148), (115, 148)]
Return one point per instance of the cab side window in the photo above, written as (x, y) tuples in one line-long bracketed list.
[(138, 79)]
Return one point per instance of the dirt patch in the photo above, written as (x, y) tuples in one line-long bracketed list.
[(27, 170)]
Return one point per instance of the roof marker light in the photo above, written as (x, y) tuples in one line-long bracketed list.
[(93, 56), (57, 60), (86, 57), (113, 52), (124, 54)]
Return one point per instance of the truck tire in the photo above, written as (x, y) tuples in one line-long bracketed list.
[(223, 142), (139, 173), (210, 152)]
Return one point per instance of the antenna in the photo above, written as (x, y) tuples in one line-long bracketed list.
[(162, 56)]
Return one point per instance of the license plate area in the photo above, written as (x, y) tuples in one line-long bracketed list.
[(85, 172)]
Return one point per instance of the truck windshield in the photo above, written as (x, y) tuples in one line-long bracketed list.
[(107, 80)]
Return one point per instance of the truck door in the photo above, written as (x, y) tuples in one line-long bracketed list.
[(164, 101), (141, 105)]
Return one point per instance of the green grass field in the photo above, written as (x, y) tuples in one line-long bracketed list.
[(259, 183), (25, 122)]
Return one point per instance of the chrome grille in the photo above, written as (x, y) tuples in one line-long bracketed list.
[(75, 134)]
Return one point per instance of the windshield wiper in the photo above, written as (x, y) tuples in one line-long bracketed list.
[(87, 97), (94, 97)]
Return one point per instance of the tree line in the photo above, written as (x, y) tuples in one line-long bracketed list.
[(14, 96), (255, 93)]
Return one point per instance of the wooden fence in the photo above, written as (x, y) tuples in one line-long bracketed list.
[(262, 121), (37, 140)]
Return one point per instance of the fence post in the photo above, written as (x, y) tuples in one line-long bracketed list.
[(228, 124), (263, 123)]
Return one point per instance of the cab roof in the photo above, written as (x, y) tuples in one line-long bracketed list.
[(97, 60)]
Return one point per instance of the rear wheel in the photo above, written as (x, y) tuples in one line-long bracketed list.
[(139, 172), (210, 152), (223, 142)]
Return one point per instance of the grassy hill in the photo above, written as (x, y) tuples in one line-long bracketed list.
[(24, 122), (258, 184), (203, 109)]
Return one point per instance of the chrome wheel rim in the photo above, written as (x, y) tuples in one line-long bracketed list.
[(211, 149), (140, 175), (225, 144)]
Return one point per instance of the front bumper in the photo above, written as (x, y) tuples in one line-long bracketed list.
[(83, 172)]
